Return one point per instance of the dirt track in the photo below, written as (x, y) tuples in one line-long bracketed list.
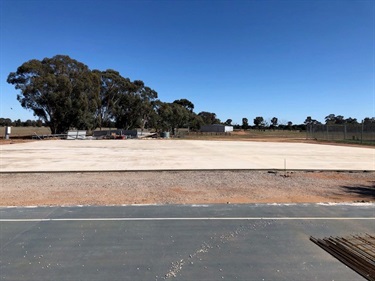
[(185, 188)]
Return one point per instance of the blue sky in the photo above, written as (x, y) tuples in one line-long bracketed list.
[(238, 58)]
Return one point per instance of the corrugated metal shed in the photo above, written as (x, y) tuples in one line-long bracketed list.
[(217, 128)]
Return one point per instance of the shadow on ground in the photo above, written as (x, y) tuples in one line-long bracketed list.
[(363, 191)]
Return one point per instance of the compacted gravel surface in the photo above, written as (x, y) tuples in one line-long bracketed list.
[(184, 187)]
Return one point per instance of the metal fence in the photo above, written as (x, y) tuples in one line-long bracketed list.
[(359, 133)]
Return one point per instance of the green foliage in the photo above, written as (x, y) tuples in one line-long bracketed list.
[(351, 120), (61, 91), (128, 104), (368, 120), (112, 87), (259, 122), (274, 121), (5, 122), (228, 122), (148, 97), (196, 121), (209, 118), (172, 116), (18, 123), (332, 119), (185, 103), (245, 123)]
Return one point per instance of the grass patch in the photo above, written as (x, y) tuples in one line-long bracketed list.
[(245, 135), (364, 142), (26, 131)]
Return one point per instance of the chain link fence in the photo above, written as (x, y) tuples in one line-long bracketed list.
[(357, 133)]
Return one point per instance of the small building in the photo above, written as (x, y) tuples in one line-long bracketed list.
[(76, 135), (216, 128), (119, 133)]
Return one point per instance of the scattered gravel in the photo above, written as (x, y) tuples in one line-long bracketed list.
[(185, 187)]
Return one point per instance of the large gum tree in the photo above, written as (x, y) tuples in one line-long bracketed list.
[(61, 91)]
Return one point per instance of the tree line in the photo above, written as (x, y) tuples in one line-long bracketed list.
[(259, 122), (273, 123), (4, 122), (64, 93)]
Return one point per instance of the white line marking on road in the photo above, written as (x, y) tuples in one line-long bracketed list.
[(186, 219), (329, 204)]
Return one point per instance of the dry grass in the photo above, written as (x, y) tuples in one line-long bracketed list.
[(249, 134), (277, 135), (26, 131), (22, 134)]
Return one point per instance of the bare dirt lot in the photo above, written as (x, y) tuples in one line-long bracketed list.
[(185, 187)]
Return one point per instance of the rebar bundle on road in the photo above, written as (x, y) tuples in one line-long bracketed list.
[(357, 252)]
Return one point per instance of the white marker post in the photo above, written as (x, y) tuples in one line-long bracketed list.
[(7, 132)]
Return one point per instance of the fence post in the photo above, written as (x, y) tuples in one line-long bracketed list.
[(307, 131), (362, 132), (345, 131)]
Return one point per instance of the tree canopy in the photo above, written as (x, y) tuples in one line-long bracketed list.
[(185, 103), (60, 91), (259, 121), (245, 123), (209, 118), (65, 93), (339, 119)]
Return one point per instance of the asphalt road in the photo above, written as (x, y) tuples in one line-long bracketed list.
[(177, 242)]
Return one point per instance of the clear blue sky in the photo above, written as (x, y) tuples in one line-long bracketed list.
[(288, 59)]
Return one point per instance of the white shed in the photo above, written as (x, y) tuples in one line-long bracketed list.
[(216, 128)]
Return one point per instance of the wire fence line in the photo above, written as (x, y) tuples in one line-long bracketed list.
[(344, 132)]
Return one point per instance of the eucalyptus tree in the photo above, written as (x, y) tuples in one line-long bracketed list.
[(369, 120), (5, 122), (330, 119), (351, 120), (228, 122), (135, 107), (61, 91), (333, 119), (164, 116), (274, 121), (126, 112), (181, 116), (129, 104), (148, 98), (196, 121), (112, 88), (259, 122), (245, 123), (339, 119), (309, 120), (172, 116), (185, 103), (209, 118)]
